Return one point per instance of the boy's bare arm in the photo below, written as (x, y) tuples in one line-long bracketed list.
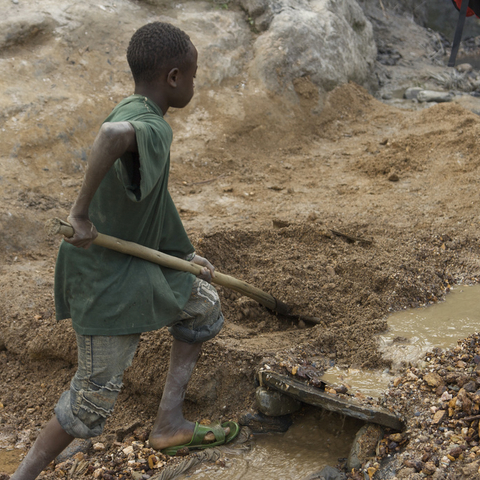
[(112, 141)]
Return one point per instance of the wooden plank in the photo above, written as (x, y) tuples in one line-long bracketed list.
[(350, 407)]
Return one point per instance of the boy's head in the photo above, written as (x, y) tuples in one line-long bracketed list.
[(163, 62), (155, 48)]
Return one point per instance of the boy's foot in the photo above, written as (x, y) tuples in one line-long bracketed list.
[(195, 436)]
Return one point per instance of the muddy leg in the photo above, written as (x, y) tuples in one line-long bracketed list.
[(52, 440), (170, 427)]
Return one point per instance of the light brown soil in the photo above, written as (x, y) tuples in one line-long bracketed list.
[(261, 197)]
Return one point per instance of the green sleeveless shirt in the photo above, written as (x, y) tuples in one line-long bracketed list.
[(110, 293)]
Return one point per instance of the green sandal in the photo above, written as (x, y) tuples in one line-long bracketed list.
[(199, 434)]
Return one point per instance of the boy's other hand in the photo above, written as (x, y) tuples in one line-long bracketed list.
[(85, 232), (208, 270)]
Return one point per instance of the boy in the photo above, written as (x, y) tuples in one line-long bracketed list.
[(112, 298)]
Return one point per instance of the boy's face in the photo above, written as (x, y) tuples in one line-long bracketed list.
[(184, 81)]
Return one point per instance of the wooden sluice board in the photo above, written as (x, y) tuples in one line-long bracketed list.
[(317, 397)]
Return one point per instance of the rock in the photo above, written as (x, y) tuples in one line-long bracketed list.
[(278, 223), (121, 433), (330, 42), (78, 445), (417, 465), (330, 271), (342, 389), (226, 49), (393, 177), (464, 402), (396, 437), (471, 470), (364, 445), (397, 381), (412, 93), (128, 450), (433, 379), (464, 68), (462, 380), (451, 377), (98, 473), (22, 29), (446, 397), (432, 96), (455, 452), (406, 472), (327, 473), (260, 11), (440, 390), (411, 377), (259, 423), (438, 416), (429, 468), (470, 387), (274, 403)]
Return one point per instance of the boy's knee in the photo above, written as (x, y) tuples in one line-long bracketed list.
[(202, 318), (83, 414), (197, 333)]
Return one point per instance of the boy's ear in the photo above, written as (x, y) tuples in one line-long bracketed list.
[(172, 77)]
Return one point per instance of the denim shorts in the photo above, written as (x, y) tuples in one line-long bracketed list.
[(202, 317), (83, 410)]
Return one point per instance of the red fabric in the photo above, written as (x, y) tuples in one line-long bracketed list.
[(458, 3)]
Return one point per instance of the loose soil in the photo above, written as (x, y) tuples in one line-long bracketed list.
[(346, 215)]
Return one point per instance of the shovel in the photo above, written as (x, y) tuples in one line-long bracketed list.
[(57, 226)]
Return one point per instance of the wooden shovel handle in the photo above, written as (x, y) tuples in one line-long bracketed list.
[(57, 226)]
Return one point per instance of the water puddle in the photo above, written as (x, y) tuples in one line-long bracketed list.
[(369, 383), (412, 333), (314, 441), (9, 460)]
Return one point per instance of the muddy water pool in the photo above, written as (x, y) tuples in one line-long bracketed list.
[(9, 459), (315, 440), (412, 333)]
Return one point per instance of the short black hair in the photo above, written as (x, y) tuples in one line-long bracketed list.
[(153, 47)]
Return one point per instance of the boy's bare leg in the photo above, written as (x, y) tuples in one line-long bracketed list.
[(53, 439), (170, 427)]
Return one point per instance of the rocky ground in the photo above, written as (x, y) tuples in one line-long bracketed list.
[(366, 208), (440, 400)]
